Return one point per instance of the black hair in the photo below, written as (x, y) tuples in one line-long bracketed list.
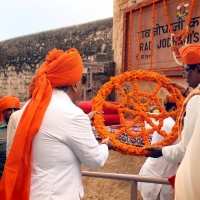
[(192, 66), (168, 106), (63, 88)]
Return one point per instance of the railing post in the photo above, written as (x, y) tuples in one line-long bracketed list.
[(133, 190)]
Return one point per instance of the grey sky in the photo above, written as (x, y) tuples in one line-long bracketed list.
[(22, 17)]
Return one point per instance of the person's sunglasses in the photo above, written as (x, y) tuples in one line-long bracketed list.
[(84, 79), (186, 71)]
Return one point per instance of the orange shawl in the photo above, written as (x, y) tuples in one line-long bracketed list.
[(196, 91), (59, 69)]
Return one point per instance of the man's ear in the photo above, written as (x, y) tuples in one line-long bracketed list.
[(74, 87)]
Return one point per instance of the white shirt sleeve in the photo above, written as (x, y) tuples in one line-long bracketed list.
[(11, 129), (82, 140), (168, 123), (175, 153)]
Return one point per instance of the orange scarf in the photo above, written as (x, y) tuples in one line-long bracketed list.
[(59, 69), (196, 91)]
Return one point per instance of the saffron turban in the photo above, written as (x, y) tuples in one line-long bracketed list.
[(60, 69), (8, 102), (169, 99), (31, 87), (190, 54)]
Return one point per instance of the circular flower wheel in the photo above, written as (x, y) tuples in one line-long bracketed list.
[(138, 110)]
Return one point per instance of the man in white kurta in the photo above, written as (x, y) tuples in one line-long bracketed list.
[(53, 137), (64, 141), (188, 174), (158, 167), (91, 155)]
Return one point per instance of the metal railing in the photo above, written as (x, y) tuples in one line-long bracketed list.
[(126, 177)]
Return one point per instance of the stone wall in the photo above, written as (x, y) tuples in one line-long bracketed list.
[(22, 56)]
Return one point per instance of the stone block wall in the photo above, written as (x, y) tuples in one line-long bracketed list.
[(21, 57)]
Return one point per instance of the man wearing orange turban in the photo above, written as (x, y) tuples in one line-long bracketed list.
[(53, 136), (190, 55), (8, 105), (188, 174)]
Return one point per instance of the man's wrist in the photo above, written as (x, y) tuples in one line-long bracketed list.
[(104, 142)]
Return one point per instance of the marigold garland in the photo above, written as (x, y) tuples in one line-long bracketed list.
[(139, 39), (140, 110), (139, 32), (178, 38), (130, 41), (185, 31), (124, 44), (152, 34)]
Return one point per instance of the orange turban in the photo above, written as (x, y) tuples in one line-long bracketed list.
[(60, 69), (31, 87), (190, 54), (169, 99), (8, 102)]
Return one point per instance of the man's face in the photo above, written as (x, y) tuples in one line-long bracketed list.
[(192, 75), (7, 113)]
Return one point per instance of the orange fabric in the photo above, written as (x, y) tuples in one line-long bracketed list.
[(59, 69), (196, 91), (190, 54), (169, 98), (8, 102), (31, 87)]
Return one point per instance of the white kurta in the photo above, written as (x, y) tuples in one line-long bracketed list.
[(11, 129), (158, 167), (188, 174), (64, 141), (175, 153)]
